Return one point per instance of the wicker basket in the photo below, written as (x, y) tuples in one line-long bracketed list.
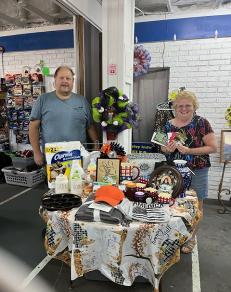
[(26, 179)]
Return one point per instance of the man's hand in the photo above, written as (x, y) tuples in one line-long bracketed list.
[(39, 158)]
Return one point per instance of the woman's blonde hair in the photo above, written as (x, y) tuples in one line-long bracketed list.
[(186, 95)]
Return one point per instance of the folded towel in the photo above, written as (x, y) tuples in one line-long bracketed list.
[(153, 213), (85, 213)]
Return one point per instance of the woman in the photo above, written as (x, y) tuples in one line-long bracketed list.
[(197, 142)]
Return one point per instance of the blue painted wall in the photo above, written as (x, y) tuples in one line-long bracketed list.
[(184, 28), (151, 31), (38, 41)]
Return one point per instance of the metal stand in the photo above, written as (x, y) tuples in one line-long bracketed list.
[(226, 209), (71, 285)]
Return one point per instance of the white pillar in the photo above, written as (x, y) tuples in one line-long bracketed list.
[(118, 46)]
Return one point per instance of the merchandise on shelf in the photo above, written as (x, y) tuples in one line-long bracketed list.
[(22, 91), (4, 133)]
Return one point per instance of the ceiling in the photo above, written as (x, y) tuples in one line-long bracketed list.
[(152, 7), (15, 14)]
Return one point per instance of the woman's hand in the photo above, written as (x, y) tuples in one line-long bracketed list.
[(182, 149), (170, 147)]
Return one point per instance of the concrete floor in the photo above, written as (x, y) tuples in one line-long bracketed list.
[(21, 228)]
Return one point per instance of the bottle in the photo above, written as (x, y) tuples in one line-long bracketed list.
[(75, 180), (76, 185), (61, 184)]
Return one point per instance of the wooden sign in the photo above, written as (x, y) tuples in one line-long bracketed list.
[(108, 170)]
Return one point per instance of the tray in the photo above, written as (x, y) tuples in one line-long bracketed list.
[(174, 176), (66, 201)]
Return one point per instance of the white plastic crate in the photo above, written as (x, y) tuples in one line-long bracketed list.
[(22, 162), (26, 179)]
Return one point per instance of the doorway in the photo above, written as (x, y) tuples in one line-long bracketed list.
[(148, 91)]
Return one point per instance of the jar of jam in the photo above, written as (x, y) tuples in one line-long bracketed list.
[(139, 197), (130, 190)]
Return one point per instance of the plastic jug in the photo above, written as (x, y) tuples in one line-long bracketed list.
[(61, 184), (76, 186)]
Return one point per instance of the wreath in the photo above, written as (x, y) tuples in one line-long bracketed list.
[(142, 60), (113, 111)]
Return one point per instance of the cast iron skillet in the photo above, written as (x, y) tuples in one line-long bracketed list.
[(66, 201), (171, 171)]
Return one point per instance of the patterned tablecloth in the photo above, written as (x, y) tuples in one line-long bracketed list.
[(121, 253)]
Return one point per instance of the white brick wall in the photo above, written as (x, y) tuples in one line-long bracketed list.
[(204, 67), (14, 61)]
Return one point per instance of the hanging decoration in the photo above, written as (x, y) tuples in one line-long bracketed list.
[(172, 95), (228, 116), (26, 71), (142, 60), (113, 150), (41, 67), (114, 112)]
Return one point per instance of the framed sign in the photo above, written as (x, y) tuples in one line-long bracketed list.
[(108, 170), (225, 149)]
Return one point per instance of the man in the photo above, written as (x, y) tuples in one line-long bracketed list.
[(60, 115)]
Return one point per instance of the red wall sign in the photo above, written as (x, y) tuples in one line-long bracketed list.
[(112, 69)]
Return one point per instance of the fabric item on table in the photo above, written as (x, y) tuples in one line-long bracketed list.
[(119, 253), (84, 213), (187, 209), (153, 213)]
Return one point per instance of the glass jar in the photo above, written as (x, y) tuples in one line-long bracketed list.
[(130, 192), (139, 197)]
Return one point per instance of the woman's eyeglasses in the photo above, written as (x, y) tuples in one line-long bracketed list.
[(187, 106)]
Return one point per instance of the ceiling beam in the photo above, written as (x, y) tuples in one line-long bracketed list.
[(36, 11), (55, 9), (218, 3), (140, 11), (23, 14), (169, 5), (12, 20), (64, 7)]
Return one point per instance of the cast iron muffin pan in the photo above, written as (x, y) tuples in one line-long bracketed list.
[(66, 201)]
